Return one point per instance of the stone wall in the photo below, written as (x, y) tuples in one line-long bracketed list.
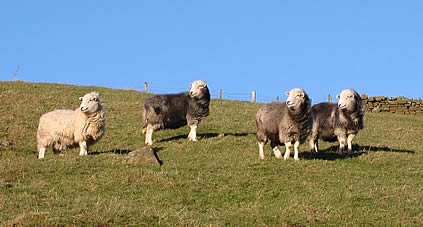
[(393, 105)]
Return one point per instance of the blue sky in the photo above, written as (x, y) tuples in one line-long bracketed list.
[(374, 46)]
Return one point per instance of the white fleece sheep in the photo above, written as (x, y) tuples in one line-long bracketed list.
[(63, 129)]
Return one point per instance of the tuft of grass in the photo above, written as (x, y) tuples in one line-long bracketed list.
[(215, 181)]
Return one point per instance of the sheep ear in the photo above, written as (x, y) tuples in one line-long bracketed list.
[(80, 98), (287, 93)]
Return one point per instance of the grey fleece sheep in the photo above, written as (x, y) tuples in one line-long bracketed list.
[(337, 122), (176, 110), (284, 123), (69, 128)]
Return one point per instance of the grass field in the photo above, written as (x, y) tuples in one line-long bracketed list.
[(215, 181)]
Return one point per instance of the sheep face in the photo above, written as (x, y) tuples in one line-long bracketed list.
[(296, 98), (90, 103), (348, 100), (197, 89)]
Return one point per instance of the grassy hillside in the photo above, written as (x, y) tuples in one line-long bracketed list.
[(215, 181)]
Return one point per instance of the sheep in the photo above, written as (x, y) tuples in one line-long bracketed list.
[(64, 129), (171, 111), (337, 122), (284, 123)]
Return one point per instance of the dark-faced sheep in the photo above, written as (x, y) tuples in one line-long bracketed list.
[(173, 111), (62, 129), (286, 123), (337, 122)]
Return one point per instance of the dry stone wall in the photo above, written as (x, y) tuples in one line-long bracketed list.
[(394, 105)]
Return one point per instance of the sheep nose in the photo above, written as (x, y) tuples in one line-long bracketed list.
[(191, 93)]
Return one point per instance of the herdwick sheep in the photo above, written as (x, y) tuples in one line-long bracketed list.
[(62, 129), (284, 123), (173, 111), (337, 122)]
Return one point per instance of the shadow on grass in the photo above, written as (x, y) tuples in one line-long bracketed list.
[(329, 156), (331, 153), (384, 149), (207, 136), (120, 151), (114, 151), (141, 153)]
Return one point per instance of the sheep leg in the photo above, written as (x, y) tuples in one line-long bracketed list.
[(288, 146), (275, 149), (313, 140), (192, 136), (149, 135), (314, 145), (83, 148), (41, 152), (349, 141), (296, 150), (261, 150), (342, 141)]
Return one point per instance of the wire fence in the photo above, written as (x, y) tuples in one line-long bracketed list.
[(220, 94)]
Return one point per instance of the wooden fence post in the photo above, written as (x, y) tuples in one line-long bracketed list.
[(329, 99), (145, 87), (277, 98), (220, 94), (254, 96)]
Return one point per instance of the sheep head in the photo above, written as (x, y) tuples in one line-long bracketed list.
[(349, 100), (90, 102), (297, 98), (198, 89)]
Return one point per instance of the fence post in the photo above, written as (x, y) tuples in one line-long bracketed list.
[(329, 99), (220, 94), (15, 74), (277, 98), (254, 96), (145, 87)]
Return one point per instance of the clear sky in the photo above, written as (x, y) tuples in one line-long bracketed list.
[(374, 46)]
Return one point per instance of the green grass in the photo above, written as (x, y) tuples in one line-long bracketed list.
[(215, 181)]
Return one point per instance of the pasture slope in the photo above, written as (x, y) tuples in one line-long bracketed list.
[(215, 181)]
